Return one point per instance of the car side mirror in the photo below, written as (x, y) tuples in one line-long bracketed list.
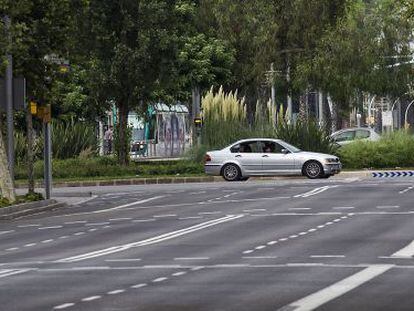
[(285, 151)]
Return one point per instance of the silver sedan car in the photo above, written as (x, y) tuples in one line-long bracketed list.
[(268, 157)]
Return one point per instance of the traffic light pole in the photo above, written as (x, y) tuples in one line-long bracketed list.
[(48, 159)]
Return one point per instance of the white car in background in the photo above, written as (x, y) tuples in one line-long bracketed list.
[(268, 157), (346, 136)]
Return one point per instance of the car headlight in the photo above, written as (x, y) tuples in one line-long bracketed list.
[(332, 160)]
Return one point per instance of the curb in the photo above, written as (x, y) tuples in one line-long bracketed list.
[(25, 209), (131, 181), (185, 180)]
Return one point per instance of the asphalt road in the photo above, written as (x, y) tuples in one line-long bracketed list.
[(340, 244)]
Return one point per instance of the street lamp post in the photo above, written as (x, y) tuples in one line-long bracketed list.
[(369, 110), (406, 114)]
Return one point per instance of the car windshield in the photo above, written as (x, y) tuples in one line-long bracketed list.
[(291, 148)]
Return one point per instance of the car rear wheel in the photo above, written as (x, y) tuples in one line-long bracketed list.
[(231, 172), (313, 169)]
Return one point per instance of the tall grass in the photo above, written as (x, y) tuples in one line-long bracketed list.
[(392, 150), (225, 121)]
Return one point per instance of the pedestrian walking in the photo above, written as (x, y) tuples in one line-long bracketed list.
[(108, 137)]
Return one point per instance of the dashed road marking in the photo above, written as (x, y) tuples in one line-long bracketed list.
[(64, 306), (91, 298), (116, 292), (160, 280)]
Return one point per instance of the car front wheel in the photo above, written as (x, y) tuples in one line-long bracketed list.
[(231, 172), (313, 169)]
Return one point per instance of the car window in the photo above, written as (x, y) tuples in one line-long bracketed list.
[(362, 134), (345, 136), (245, 147), (270, 147)]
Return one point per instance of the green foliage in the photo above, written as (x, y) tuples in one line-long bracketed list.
[(225, 122), (29, 197), (69, 139), (100, 167), (392, 150)]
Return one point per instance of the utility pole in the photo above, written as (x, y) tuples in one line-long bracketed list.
[(9, 102)]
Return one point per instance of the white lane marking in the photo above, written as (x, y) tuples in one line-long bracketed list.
[(197, 268), (47, 241), (143, 220), (75, 222), (12, 249), (406, 252), (118, 207), (293, 236), (123, 260), (79, 233), (165, 215), (299, 208), (283, 239), (51, 227), (248, 251), (5, 232), (338, 289), (91, 298), (343, 207), (86, 200), (139, 285), (64, 306), (115, 292), (160, 280), (260, 247), (30, 244), (28, 226), (315, 191), (63, 237), (192, 258), (97, 224), (8, 272), (259, 257), (388, 206), (150, 241), (327, 256), (209, 213), (271, 242), (304, 264), (406, 190), (119, 219), (179, 273), (92, 230)]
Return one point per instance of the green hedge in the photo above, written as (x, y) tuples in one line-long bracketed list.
[(392, 150), (108, 167)]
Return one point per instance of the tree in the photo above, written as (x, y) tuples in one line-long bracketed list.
[(40, 30)]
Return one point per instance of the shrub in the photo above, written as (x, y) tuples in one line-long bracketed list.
[(69, 140), (108, 167), (392, 150), (225, 121)]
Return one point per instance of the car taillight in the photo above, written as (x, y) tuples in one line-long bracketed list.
[(207, 158)]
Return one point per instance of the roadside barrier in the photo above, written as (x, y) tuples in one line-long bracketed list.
[(393, 174)]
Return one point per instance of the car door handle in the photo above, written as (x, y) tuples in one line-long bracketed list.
[(265, 156), (238, 156)]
